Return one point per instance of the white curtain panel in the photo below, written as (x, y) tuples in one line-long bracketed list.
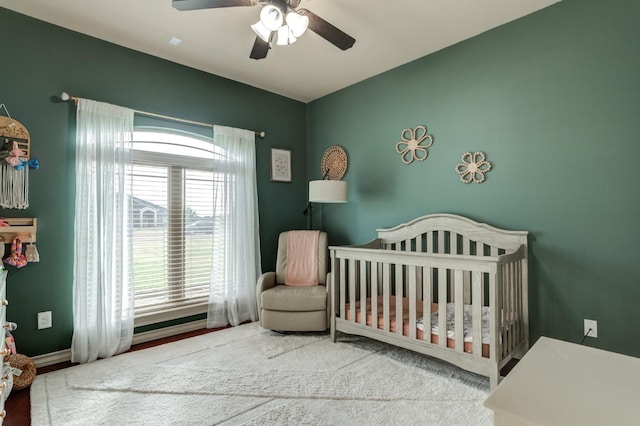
[(103, 279), (236, 252)]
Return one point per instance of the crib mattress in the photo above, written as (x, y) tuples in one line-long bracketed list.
[(468, 322), (435, 338)]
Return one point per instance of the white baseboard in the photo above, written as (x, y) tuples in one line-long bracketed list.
[(147, 336), (52, 358)]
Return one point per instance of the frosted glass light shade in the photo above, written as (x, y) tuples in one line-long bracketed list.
[(297, 23), (262, 31), (327, 191), (271, 17), (285, 36)]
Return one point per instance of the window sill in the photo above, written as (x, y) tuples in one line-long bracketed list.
[(169, 314)]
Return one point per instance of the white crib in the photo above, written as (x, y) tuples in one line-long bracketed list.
[(430, 286)]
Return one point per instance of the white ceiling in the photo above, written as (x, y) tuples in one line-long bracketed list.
[(218, 41)]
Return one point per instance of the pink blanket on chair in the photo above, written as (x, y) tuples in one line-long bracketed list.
[(302, 258)]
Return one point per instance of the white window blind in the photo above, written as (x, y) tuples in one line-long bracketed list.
[(172, 210)]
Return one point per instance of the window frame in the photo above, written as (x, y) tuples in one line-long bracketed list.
[(174, 310)]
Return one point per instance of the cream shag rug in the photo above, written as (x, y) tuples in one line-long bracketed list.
[(250, 376)]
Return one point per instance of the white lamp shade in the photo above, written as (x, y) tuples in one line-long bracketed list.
[(262, 31), (297, 23), (285, 36), (271, 17), (327, 191)]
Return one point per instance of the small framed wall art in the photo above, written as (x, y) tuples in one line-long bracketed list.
[(280, 165)]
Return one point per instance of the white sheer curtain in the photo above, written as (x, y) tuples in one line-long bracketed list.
[(103, 278), (236, 255)]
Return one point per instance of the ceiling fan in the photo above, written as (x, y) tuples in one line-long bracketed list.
[(279, 18)]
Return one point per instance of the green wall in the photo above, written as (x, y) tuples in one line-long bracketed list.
[(42, 60), (553, 100)]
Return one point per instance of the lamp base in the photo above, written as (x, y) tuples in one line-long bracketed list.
[(309, 212)]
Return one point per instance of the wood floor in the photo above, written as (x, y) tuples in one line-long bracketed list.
[(18, 405)]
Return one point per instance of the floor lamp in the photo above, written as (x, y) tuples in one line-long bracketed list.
[(325, 191)]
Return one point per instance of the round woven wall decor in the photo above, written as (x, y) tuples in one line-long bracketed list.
[(334, 163), (12, 130)]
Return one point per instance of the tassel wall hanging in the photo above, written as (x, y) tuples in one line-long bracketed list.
[(14, 188)]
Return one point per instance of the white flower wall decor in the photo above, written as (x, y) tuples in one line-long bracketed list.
[(473, 168), (411, 147)]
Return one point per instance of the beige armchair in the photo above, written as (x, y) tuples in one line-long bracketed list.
[(293, 308)]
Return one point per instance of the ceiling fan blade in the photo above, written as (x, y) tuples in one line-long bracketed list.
[(260, 49), (327, 31), (210, 4)]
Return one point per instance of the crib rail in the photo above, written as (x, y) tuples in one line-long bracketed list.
[(440, 264), (406, 280)]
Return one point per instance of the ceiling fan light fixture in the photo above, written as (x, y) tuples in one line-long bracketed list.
[(271, 17), (263, 32), (285, 36), (297, 23)]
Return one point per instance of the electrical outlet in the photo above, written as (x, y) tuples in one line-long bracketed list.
[(590, 325), (44, 320)]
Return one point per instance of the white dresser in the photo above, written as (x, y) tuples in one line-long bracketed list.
[(562, 383), (6, 381)]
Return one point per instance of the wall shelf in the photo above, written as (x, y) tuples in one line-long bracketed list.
[(24, 227)]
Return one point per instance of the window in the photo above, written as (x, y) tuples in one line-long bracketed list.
[(172, 215)]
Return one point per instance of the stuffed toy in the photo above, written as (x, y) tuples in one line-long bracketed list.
[(16, 258)]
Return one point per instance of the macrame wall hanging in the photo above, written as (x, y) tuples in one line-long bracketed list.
[(15, 162)]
